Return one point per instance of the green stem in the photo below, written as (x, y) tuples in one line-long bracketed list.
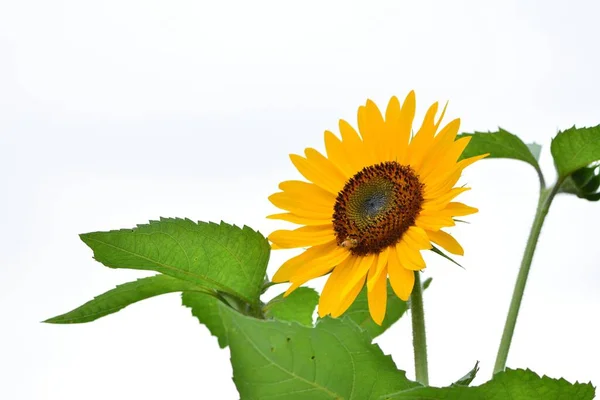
[(419, 338), (546, 197)]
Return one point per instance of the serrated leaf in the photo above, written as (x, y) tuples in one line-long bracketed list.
[(512, 384), (219, 256), (334, 360), (468, 378), (298, 306), (122, 296), (206, 309), (501, 144), (575, 148)]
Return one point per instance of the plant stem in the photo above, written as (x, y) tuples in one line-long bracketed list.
[(418, 326), (546, 197)]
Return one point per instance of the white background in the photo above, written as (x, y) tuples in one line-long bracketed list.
[(116, 112)]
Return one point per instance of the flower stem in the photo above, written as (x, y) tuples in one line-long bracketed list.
[(546, 197), (418, 325)]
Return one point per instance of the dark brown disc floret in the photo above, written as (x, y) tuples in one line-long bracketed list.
[(376, 206)]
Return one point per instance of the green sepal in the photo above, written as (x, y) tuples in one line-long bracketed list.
[(447, 257), (469, 376)]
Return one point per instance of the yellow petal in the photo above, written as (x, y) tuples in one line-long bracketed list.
[(306, 200), (325, 165), (398, 143), (338, 155), (402, 127), (377, 297), (401, 279), (307, 191), (409, 257), (382, 138), (440, 202), (369, 137), (437, 186), (312, 255), (353, 145), (457, 209), (434, 222), (286, 201), (330, 296), (312, 171), (446, 241), (303, 208), (316, 268), (377, 268), (358, 271), (348, 299), (452, 210), (303, 237), (423, 138), (418, 238), (442, 156), (297, 219)]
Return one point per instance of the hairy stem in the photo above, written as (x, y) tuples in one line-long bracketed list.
[(546, 197), (419, 337)]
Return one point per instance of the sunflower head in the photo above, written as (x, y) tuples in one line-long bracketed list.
[(370, 206)]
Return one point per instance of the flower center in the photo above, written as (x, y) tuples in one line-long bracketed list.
[(376, 206)]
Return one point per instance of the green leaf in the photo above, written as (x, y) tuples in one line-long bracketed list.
[(298, 306), (501, 144), (122, 296), (217, 256), (334, 360), (583, 183), (575, 148), (468, 378), (512, 384), (206, 309)]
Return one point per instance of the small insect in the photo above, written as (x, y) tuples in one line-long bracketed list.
[(349, 243)]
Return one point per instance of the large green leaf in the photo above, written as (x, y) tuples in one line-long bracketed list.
[(334, 360), (575, 148), (122, 296), (218, 256), (298, 306), (512, 384), (206, 309), (502, 144), (359, 311)]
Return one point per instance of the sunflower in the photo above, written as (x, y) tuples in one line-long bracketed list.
[(372, 205)]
